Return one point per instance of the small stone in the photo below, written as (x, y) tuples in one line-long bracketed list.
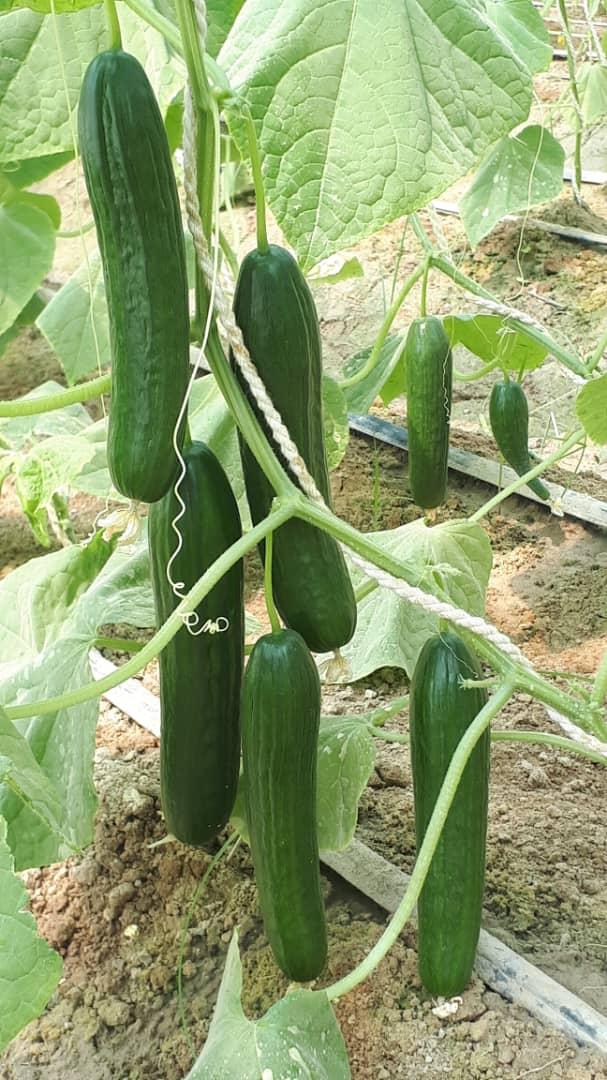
[(505, 1055), (113, 1011), (117, 899), (86, 872), (479, 1028), (135, 802)]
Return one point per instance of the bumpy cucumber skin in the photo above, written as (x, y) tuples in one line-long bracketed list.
[(509, 417), (450, 905), (429, 386), (200, 676), (280, 721), (131, 185), (275, 311)]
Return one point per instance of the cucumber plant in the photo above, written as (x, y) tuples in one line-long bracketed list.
[(324, 199)]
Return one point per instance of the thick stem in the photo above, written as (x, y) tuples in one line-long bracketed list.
[(113, 24), (384, 329), (118, 644), (59, 400), (599, 689), (544, 738), (260, 199), (423, 302), (378, 717), (577, 104), (281, 513), (426, 852), (267, 585), (192, 54), (598, 353), (472, 376), (537, 470)]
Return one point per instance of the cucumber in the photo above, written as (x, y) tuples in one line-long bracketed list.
[(131, 185), (509, 417), (429, 382), (450, 905), (200, 675), (280, 721), (275, 311)]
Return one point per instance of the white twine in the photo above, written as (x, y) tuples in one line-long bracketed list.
[(294, 459)]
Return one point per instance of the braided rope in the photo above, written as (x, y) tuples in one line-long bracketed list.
[(288, 448)]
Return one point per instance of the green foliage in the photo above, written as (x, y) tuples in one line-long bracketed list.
[(489, 337), (591, 409), (523, 26), (523, 170), (296, 1039), (29, 969), (25, 173), (335, 422), (27, 246), (75, 322), (346, 756), (452, 561), (220, 16), (387, 377), (592, 84), (405, 139), (51, 610)]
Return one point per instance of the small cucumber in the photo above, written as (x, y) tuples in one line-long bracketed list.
[(509, 417), (280, 721), (450, 905), (429, 382)]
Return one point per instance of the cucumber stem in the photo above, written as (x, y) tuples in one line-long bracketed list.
[(424, 858), (541, 738), (59, 400), (260, 199), (423, 303), (113, 24), (384, 329), (471, 376), (537, 470), (599, 689), (267, 584), (118, 644), (282, 511)]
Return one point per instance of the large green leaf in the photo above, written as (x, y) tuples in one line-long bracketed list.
[(25, 173), (220, 16), (346, 756), (452, 561), (75, 323), (592, 81), (22, 775), (50, 466), (297, 1039), (365, 111), (42, 62), (27, 246), (51, 609), (18, 431), (591, 409), (521, 171), (39, 86), (523, 26), (489, 336), (335, 421), (29, 969)]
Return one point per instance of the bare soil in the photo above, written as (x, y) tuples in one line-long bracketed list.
[(117, 915)]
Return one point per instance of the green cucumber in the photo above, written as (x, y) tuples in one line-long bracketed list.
[(131, 185), (275, 311), (509, 417), (201, 673), (450, 905), (429, 382), (280, 721)]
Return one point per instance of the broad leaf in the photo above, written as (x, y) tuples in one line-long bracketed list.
[(220, 16), (27, 246), (452, 561), (51, 609), (365, 111), (298, 1038), (521, 171), (38, 87), (75, 323), (593, 91), (489, 336), (25, 173), (26, 317), (523, 26), (591, 409), (29, 969), (335, 269), (335, 421), (346, 756), (50, 466), (22, 775), (390, 363)]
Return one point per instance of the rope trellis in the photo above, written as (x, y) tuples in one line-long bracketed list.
[(287, 447)]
